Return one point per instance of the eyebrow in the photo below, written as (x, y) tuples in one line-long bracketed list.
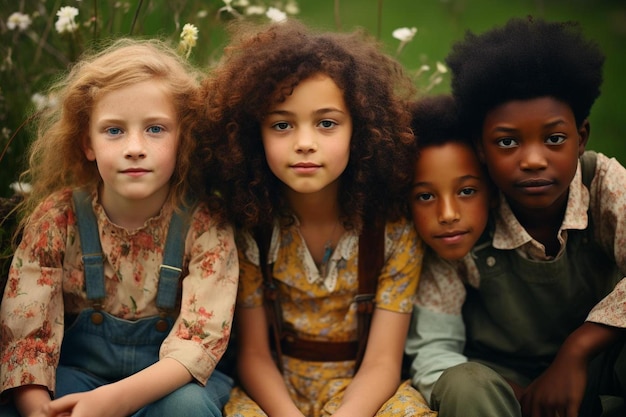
[(547, 125), (459, 180), (318, 112)]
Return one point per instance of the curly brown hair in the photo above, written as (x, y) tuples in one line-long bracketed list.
[(260, 67)]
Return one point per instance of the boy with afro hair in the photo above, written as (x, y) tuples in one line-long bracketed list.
[(531, 322)]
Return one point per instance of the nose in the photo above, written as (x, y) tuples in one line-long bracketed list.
[(533, 157), (305, 141), (135, 146), (448, 211)]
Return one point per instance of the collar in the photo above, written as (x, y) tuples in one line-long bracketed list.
[(509, 233)]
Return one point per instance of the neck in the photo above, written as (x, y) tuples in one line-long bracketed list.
[(131, 214), (315, 209)]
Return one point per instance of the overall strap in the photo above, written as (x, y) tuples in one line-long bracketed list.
[(90, 245), (271, 303), (93, 258), (588, 162), (371, 261), (172, 267)]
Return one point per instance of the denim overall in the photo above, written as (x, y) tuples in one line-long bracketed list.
[(99, 348)]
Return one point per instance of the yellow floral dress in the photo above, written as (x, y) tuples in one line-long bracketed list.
[(322, 308)]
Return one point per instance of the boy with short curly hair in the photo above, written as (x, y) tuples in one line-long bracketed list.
[(534, 322)]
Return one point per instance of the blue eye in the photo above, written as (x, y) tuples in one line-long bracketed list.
[(507, 143), (114, 131), (155, 129)]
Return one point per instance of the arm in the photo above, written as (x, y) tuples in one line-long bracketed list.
[(258, 373), (561, 387), (31, 400), (378, 377), (435, 342), (436, 337), (127, 395), (202, 329)]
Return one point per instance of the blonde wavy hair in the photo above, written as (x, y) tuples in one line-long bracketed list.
[(56, 158)]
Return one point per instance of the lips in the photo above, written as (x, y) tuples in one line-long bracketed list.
[(534, 182), (305, 165), (135, 171), (451, 237), (305, 168)]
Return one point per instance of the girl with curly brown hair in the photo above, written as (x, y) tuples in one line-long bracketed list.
[(314, 135)]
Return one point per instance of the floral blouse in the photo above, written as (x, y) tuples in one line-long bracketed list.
[(46, 281), (323, 308)]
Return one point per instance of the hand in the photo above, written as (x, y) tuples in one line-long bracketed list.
[(96, 403), (558, 391)]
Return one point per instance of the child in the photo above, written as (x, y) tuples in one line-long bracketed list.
[(317, 149), (544, 306), (135, 324), (450, 194)]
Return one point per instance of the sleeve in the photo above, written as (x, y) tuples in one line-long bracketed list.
[(250, 276), (435, 342), (608, 204), (202, 329), (31, 315), (397, 283), (436, 336)]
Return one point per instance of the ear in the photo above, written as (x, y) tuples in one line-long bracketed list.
[(583, 136), (87, 149)]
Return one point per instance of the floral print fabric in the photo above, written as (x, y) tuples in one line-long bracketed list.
[(46, 283), (322, 308)]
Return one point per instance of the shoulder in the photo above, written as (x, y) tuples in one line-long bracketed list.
[(608, 179), (397, 229), (57, 207), (202, 220)]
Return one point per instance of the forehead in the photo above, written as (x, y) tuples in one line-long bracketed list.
[(536, 109), (453, 157)]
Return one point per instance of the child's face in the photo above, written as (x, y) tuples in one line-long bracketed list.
[(450, 198), (531, 148), (133, 137), (307, 137)]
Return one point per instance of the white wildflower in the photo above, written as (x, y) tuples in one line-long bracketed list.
[(189, 34), (228, 8), (202, 14), (67, 12), (65, 22), (188, 38), (21, 187), (441, 68), (404, 34), (276, 15), (241, 3), (19, 21), (42, 102)]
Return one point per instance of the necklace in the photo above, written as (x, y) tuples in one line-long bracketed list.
[(328, 250)]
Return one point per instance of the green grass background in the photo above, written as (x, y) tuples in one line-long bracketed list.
[(440, 23)]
